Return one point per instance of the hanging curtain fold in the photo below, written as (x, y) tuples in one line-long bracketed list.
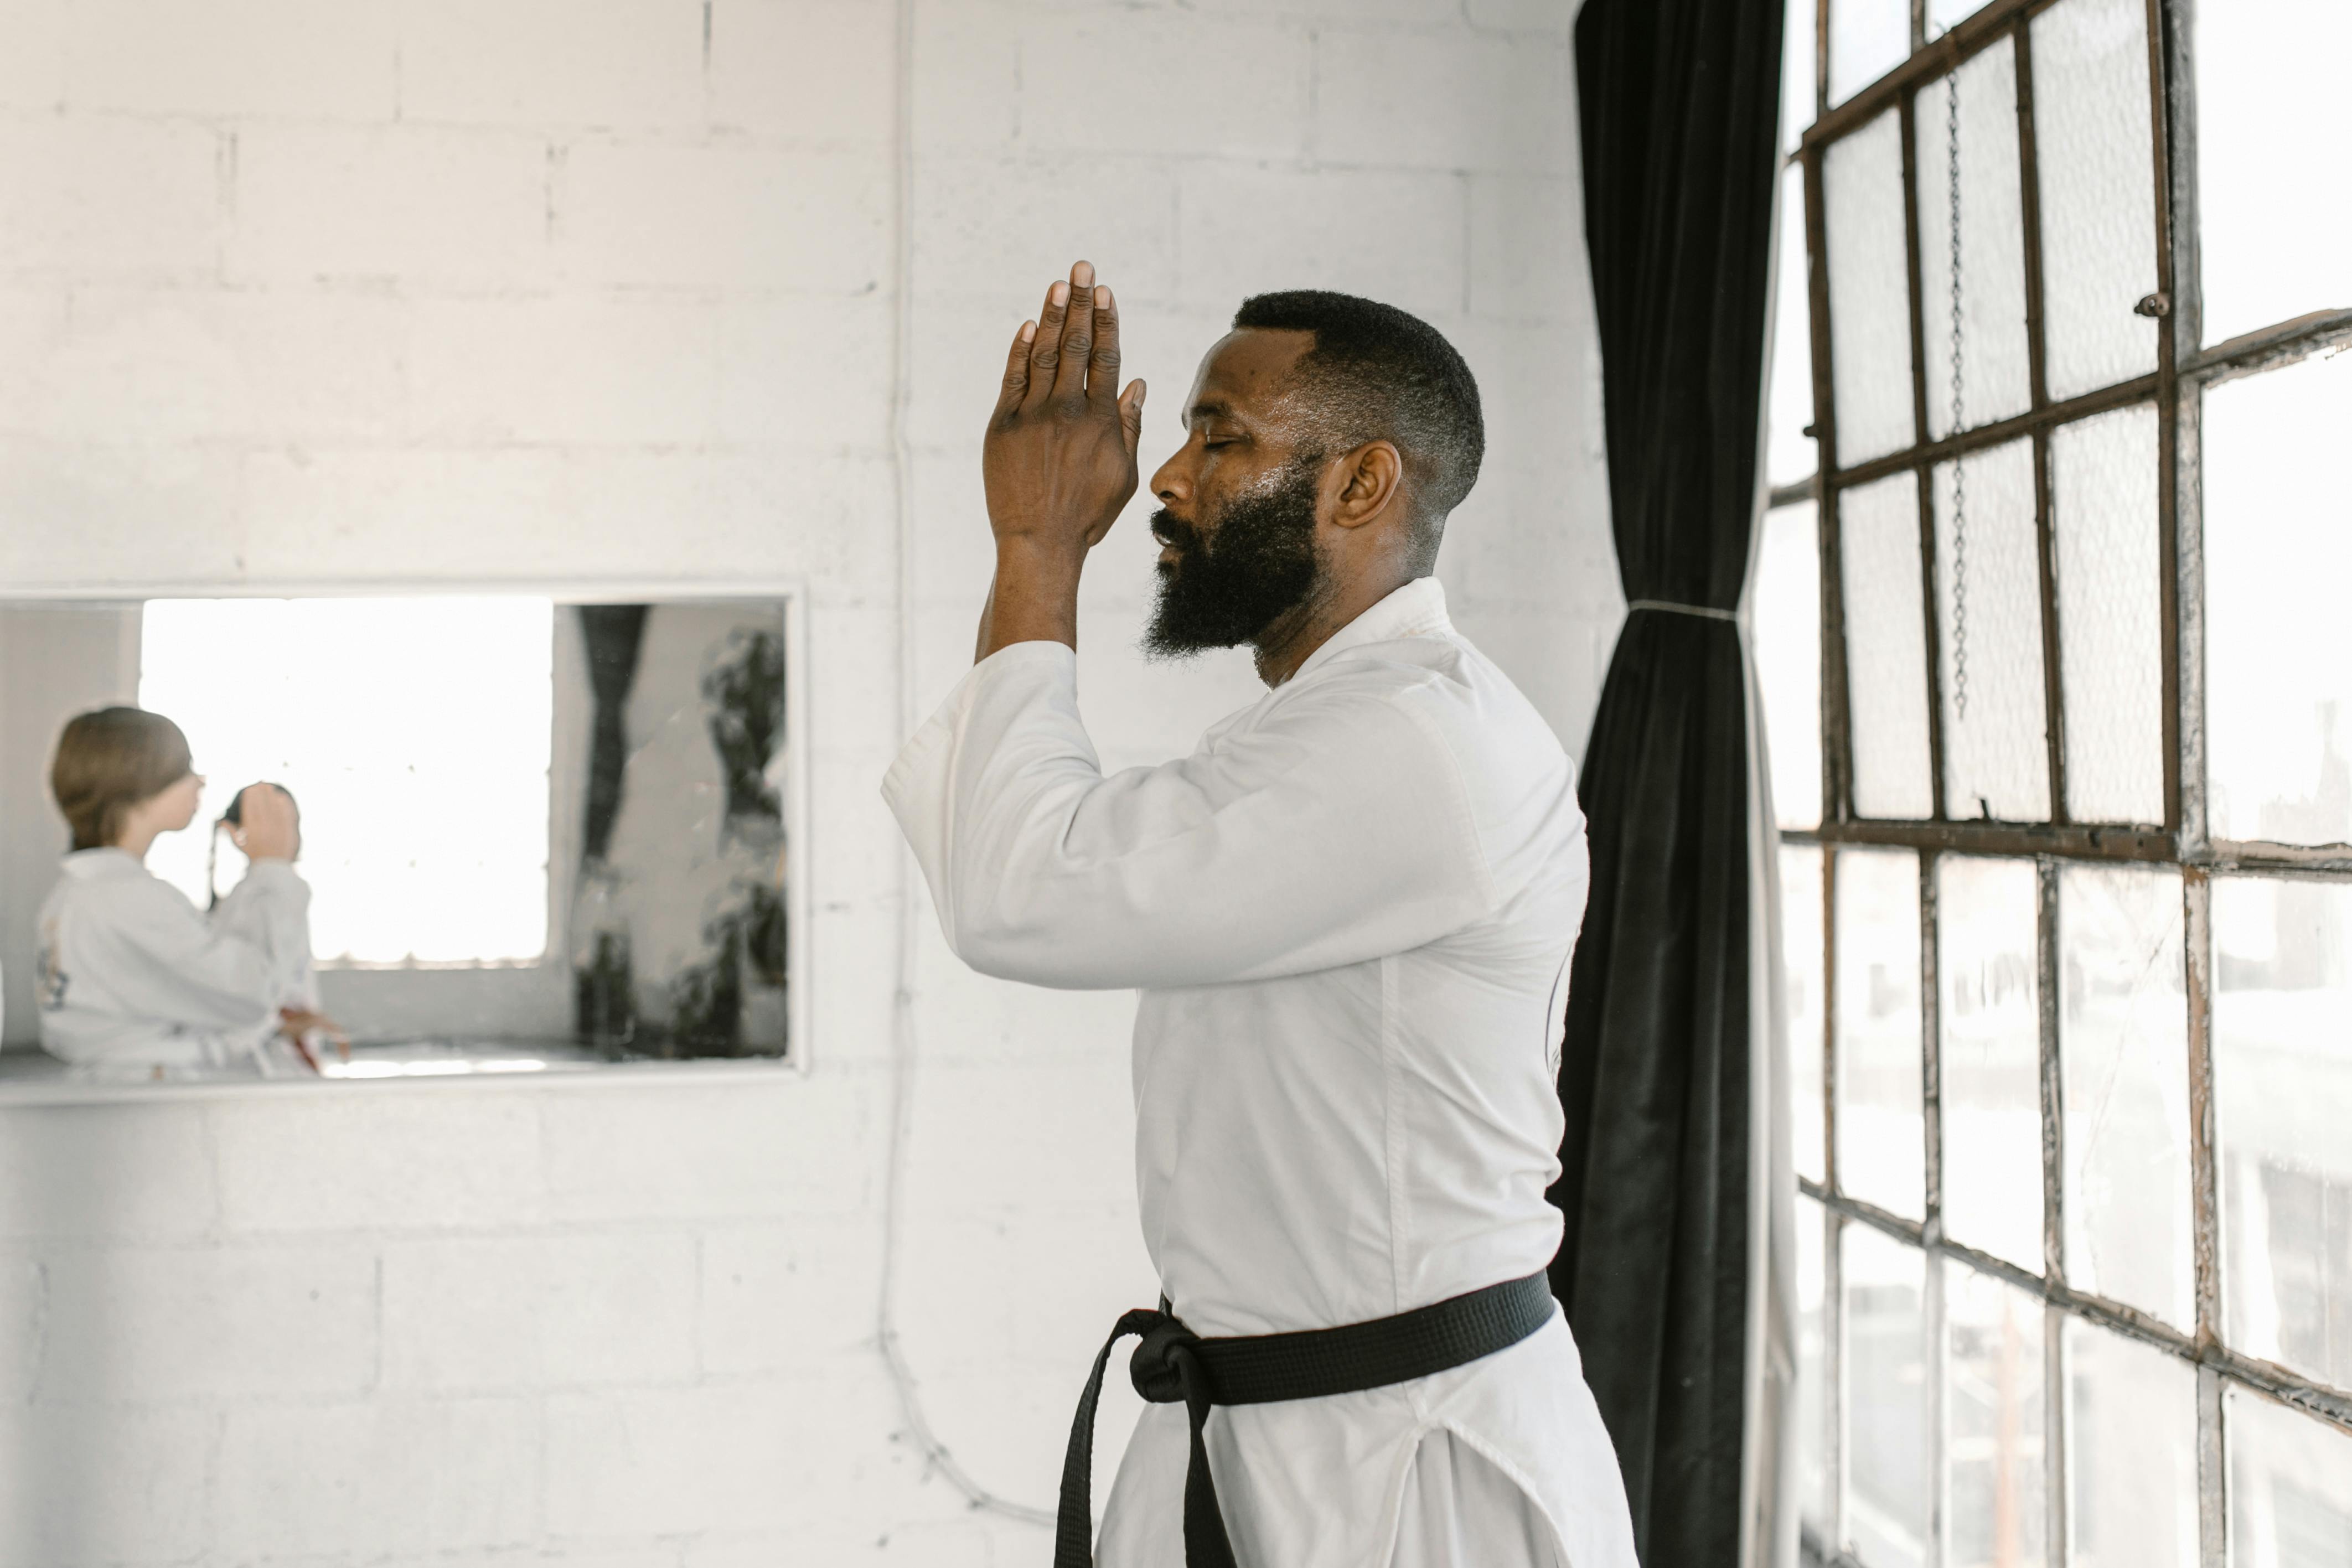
[(614, 634), (1679, 102)]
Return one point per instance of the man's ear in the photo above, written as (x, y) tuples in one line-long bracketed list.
[(1372, 484)]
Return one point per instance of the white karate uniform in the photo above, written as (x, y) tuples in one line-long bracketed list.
[(1349, 913), (133, 979)]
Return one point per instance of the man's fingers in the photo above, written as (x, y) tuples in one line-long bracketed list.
[(1131, 415), (1045, 348), (1077, 336), (1102, 370), (1016, 369)]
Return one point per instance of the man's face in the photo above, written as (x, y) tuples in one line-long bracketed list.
[(1239, 501)]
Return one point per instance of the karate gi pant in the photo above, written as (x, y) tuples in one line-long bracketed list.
[(1458, 1511)]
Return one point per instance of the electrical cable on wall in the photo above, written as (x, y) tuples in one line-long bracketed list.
[(902, 1012)]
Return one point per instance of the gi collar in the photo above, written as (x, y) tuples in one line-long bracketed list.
[(1416, 610)]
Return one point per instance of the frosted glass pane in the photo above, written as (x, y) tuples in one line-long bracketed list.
[(1867, 40), (1886, 647), (1987, 917), (1988, 625), (1993, 1408), (2270, 139), (2290, 1486), (2278, 643), (2110, 572), (2123, 1051), (1812, 1428), (1797, 73), (1870, 292), (2098, 192), (1789, 452), (2282, 1085), (2131, 1461), (1880, 1131), (1994, 383), (1805, 974), (1885, 1399), (1788, 605)]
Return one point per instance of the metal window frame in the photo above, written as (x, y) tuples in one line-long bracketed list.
[(2185, 367)]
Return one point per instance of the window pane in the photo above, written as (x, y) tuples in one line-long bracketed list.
[(1879, 1132), (1803, 970), (1884, 1386), (2290, 1486), (1988, 626), (2282, 1083), (2131, 1461), (2124, 1082), (1987, 915), (425, 826), (2000, 1507), (1870, 299), (1886, 647), (2097, 161), (2278, 650), (1788, 456), (2274, 239), (2110, 573), (1867, 40), (1943, 16), (1797, 73), (1812, 1429), (1789, 660), (1981, 162)]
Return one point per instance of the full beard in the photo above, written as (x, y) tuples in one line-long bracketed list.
[(1257, 564)]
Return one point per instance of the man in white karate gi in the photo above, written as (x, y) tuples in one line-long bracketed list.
[(1348, 913)]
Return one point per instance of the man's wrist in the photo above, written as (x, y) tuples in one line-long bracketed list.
[(1034, 559)]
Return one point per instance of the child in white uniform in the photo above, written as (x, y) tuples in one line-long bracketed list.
[(133, 981)]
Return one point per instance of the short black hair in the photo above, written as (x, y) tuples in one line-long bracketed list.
[(1387, 375)]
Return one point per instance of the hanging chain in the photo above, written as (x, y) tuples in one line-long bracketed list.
[(1959, 473)]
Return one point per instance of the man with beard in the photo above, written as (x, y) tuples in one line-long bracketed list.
[(1349, 911)]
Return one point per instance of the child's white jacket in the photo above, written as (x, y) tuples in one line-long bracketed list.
[(132, 978)]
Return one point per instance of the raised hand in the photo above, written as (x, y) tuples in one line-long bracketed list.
[(268, 829), (1059, 459)]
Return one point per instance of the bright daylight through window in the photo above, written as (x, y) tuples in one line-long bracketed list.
[(2059, 700), (416, 737)]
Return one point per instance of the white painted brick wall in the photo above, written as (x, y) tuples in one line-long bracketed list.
[(455, 291)]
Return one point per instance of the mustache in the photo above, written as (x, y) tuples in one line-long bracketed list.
[(1173, 530)]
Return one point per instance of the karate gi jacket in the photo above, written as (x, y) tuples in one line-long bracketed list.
[(132, 978), (1349, 913)]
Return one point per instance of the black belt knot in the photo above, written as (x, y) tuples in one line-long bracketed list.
[(1174, 1365)]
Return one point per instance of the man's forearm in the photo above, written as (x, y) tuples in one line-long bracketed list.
[(1034, 598)]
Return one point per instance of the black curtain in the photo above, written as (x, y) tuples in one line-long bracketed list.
[(614, 634), (1680, 101)]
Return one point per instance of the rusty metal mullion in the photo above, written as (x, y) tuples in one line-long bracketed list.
[(1936, 58), (2053, 1209), (1930, 605), (1977, 837), (2139, 389), (1931, 1053), (1829, 1018), (2037, 355), (2183, 330), (1837, 704), (2204, 1195), (2167, 412)]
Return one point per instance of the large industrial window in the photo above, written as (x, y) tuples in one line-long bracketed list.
[(2054, 620)]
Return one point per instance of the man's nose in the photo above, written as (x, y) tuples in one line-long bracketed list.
[(1171, 483)]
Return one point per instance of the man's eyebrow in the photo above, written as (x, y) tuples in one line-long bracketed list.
[(1208, 408)]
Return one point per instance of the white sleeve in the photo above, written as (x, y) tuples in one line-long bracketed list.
[(171, 963), (269, 908), (1335, 831)]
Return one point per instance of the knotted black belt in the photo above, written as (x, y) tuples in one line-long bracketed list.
[(1175, 1364)]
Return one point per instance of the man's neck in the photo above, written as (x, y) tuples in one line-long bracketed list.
[(1293, 636)]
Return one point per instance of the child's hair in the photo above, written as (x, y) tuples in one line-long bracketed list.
[(109, 759)]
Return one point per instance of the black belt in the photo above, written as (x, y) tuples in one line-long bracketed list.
[(1175, 1364)]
